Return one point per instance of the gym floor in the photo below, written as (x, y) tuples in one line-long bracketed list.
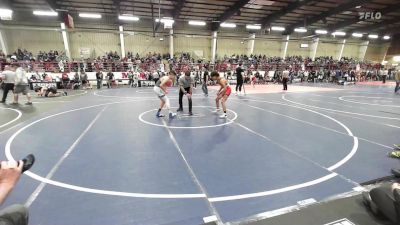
[(104, 158)]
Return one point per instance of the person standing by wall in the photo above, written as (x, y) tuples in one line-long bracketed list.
[(285, 78), (99, 79), (397, 79), (205, 81), (239, 79), (8, 77), (21, 86), (110, 78)]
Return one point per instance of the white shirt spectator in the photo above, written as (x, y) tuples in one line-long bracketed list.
[(285, 74), (20, 76), (8, 76)]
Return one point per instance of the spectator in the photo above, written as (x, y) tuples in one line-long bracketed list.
[(110, 78), (21, 86), (8, 77), (397, 79), (99, 79), (10, 171)]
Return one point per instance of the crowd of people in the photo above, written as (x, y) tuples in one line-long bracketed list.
[(42, 56)]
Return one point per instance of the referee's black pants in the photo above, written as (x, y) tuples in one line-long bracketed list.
[(7, 87), (181, 96), (284, 82), (239, 84)]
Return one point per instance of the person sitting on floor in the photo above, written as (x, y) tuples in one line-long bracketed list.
[(384, 200), (49, 92)]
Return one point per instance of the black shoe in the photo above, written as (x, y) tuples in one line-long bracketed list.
[(29, 160), (28, 103), (396, 172), (4, 102), (190, 114), (179, 110), (366, 199)]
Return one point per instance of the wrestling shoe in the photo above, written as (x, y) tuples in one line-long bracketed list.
[(29, 160), (172, 115), (216, 111), (223, 116), (28, 103), (394, 154), (159, 115), (179, 110), (65, 93), (190, 114)]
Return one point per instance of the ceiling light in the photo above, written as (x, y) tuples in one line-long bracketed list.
[(165, 20), (358, 35), (45, 13), (321, 31), (359, 6), (339, 33), (277, 28), (90, 15), (228, 25), (6, 14), (300, 30), (373, 36), (386, 37), (128, 17), (197, 23), (253, 27)]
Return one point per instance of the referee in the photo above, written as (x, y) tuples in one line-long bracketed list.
[(185, 88)]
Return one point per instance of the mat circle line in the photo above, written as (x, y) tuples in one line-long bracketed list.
[(9, 156), (342, 98), (228, 121), (13, 120)]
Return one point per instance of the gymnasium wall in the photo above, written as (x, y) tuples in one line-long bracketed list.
[(33, 40), (328, 48), (144, 43), (351, 49), (99, 41), (230, 46), (197, 46), (294, 48), (268, 47), (376, 52)]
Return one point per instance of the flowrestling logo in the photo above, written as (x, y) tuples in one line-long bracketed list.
[(370, 15)]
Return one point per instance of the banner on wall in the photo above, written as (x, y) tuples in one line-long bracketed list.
[(199, 53), (84, 52)]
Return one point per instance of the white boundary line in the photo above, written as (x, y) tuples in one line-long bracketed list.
[(13, 120), (365, 103), (197, 127), (333, 110), (177, 196), (349, 133), (53, 170), (272, 192), (313, 124), (83, 189), (190, 169)]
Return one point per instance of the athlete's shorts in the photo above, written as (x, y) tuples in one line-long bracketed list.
[(159, 92), (50, 89), (228, 91), (21, 89)]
